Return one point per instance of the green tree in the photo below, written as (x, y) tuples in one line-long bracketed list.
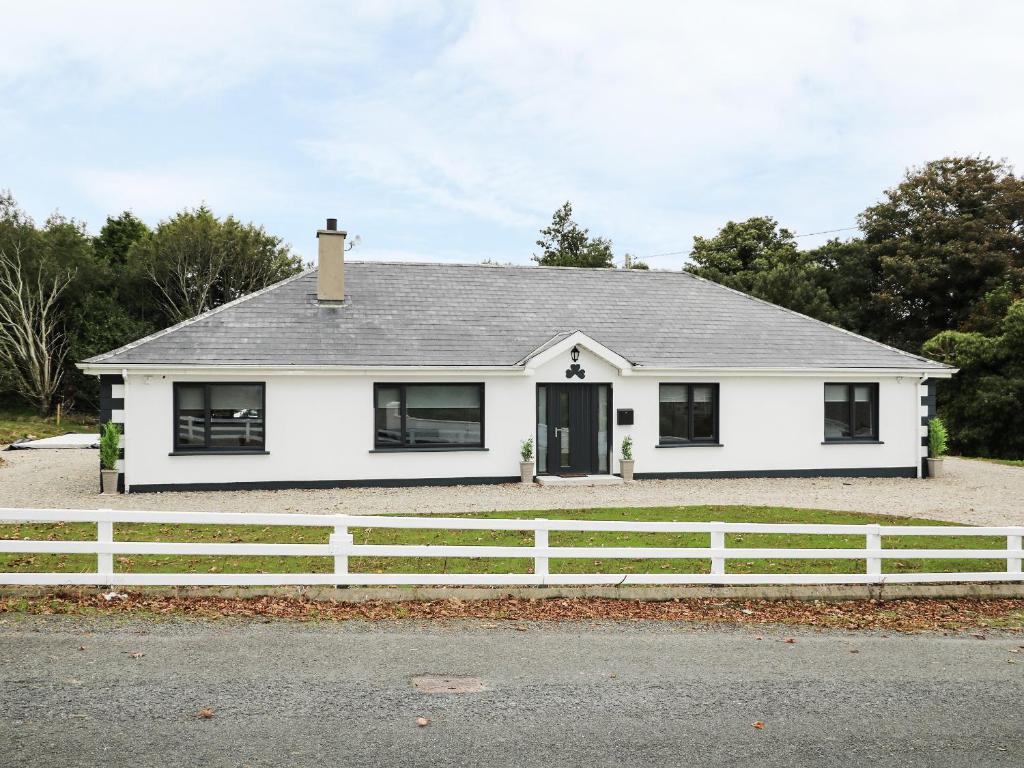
[(758, 257), (563, 243), (981, 404), (117, 236), (951, 232), (194, 262)]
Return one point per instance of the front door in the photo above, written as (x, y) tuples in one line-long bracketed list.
[(572, 428)]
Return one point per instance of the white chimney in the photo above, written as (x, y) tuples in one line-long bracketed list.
[(330, 277)]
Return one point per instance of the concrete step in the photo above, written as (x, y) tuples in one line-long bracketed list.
[(554, 480)]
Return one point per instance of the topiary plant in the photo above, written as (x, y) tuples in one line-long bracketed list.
[(937, 438), (526, 449), (110, 445), (627, 448)]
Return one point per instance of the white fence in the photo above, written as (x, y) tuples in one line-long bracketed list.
[(341, 548)]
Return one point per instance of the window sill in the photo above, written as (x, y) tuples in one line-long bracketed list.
[(220, 453), (690, 445), (425, 450), (852, 442)]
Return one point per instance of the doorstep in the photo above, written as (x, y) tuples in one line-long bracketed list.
[(582, 480)]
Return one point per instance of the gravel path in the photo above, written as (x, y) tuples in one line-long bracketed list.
[(972, 492)]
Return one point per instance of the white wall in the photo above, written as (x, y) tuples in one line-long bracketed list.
[(320, 428)]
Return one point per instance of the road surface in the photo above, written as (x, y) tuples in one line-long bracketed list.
[(126, 692)]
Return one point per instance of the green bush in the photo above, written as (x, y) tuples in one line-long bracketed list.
[(110, 446), (526, 449), (937, 438), (627, 448)]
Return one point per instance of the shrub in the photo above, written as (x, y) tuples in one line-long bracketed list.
[(627, 448), (526, 449), (937, 438), (110, 445)]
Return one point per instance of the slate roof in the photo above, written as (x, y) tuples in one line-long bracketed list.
[(464, 315)]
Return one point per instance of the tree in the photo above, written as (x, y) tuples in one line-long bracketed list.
[(564, 243), (982, 403), (32, 340), (758, 257), (629, 261), (117, 236), (194, 262), (951, 232)]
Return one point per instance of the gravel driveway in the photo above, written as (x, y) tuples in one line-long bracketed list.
[(972, 492)]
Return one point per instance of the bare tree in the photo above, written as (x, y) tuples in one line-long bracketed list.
[(32, 341)]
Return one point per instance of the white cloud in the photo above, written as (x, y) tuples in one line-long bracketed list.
[(656, 117), (115, 48), (659, 120)]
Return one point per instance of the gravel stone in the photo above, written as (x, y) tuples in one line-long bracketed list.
[(973, 492)]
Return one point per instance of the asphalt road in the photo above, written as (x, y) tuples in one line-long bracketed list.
[(288, 694)]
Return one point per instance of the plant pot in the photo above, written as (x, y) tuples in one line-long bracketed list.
[(526, 471), (935, 468), (626, 469), (108, 480)]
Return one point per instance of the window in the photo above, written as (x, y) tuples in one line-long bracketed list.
[(851, 412), (426, 416), (688, 413), (219, 417)]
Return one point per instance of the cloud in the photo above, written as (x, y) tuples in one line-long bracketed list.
[(467, 124), (660, 117)]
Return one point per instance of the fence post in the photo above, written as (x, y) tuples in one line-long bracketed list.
[(874, 542), (340, 538), (105, 560), (540, 541), (717, 542), (1013, 563)]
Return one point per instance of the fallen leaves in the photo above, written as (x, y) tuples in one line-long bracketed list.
[(759, 725), (205, 713), (422, 722), (905, 615)]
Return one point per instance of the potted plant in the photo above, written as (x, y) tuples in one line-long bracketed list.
[(937, 445), (526, 465), (626, 462), (110, 448)]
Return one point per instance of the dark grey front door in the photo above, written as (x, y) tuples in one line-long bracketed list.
[(573, 428)]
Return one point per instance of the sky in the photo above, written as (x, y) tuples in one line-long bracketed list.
[(451, 131)]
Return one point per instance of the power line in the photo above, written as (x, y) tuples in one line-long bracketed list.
[(826, 231), (804, 234)]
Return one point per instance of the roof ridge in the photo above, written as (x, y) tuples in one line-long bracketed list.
[(816, 320), (197, 318), (603, 270)]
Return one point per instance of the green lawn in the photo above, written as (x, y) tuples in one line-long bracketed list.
[(1007, 462), (280, 534), (18, 423)]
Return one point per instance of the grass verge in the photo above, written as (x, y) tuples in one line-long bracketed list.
[(18, 562), (910, 615), (1004, 462), (17, 423)]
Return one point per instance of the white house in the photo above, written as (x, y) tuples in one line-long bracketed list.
[(393, 374)]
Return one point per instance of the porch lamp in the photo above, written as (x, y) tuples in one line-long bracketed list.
[(575, 354)]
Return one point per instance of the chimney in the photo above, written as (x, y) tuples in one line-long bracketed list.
[(330, 278)]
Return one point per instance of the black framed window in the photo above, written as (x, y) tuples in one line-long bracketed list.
[(215, 417), (428, 416), (688, 413), (851, 412)]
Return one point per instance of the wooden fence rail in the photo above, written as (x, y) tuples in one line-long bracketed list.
[(341, 547)]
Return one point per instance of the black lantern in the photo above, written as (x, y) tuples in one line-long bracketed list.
[(575, 354)]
